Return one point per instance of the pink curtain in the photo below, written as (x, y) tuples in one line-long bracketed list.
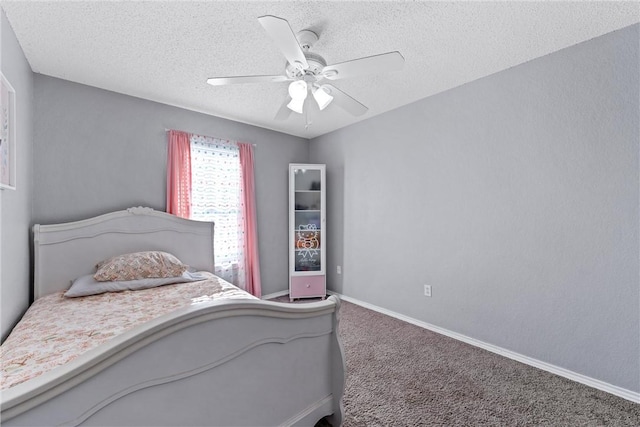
[(251, 258), (179, 174)]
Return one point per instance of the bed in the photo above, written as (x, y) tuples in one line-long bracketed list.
[(216, 361)]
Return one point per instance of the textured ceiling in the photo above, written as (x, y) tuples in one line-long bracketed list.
[(165, 51)]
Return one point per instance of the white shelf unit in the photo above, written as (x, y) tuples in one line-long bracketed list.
[(307, 231)]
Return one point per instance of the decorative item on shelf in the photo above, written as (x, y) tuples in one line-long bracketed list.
[(308, 243), (315, 186)]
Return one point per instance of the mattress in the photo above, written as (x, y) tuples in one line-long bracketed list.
[(55, 330)]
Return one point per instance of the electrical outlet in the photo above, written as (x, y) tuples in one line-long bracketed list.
[(339, 270), (427, 290)]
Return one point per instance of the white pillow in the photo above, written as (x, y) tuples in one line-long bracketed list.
[(87, 285)]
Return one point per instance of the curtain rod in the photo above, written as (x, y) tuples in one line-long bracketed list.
[(167, 130)]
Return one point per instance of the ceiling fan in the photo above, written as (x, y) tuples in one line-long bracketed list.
[(308, 71)]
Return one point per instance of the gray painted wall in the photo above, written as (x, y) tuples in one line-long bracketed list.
[(15, 205), (516, 197), (96, 151)]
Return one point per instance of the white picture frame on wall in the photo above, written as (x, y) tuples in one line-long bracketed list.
[(7, 134)]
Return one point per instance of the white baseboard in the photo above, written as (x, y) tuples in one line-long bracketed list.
[(583, 379), (275, 295)]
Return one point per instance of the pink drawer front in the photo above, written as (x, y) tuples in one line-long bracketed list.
[(307, 286)]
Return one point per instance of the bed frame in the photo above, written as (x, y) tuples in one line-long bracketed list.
[(242, 362)]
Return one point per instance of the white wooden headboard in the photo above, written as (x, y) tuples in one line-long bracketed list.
[(64, 252)]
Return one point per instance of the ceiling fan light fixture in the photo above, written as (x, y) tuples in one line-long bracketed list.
[(298, 90), (304, 69), (322, 97), (296, 105)]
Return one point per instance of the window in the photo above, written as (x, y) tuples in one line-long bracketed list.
[(211, 179), (216, 195)]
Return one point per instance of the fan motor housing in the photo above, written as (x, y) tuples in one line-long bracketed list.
[(316, 64)]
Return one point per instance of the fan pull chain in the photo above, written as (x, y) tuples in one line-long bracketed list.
[(307, 123)]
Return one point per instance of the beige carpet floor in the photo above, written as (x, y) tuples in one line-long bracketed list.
[(399, 374)]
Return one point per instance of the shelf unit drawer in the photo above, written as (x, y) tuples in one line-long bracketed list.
[(307, 286)]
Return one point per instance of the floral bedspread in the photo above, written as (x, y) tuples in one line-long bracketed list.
[(56, 330)]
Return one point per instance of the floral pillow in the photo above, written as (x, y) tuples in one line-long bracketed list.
[(139, 265)]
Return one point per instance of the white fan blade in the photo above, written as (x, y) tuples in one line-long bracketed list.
[(280, 31), (345, 101), (219, 81), (284, 111), (391, 61)]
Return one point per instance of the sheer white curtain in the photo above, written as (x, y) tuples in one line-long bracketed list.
[(216, 192)]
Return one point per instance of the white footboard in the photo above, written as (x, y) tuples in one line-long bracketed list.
[(243, 362)]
